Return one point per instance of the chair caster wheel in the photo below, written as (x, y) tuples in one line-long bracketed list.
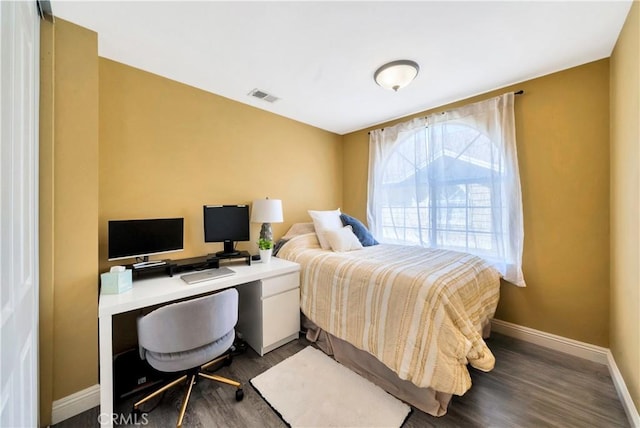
[(239, 394)]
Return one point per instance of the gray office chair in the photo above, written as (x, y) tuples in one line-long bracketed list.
[(190, 336)]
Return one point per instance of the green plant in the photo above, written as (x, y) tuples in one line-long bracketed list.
[(265, 244)]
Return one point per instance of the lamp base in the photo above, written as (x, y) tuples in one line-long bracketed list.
[(266, 232)]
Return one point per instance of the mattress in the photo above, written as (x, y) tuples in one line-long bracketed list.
[(420, 312)]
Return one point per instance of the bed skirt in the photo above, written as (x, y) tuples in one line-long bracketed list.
[(366, 365)]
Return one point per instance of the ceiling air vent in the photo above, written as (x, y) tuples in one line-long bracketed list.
[(257, 93)]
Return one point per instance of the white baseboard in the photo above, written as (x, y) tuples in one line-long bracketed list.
[(576, 348), (623, 392), (75, 404)]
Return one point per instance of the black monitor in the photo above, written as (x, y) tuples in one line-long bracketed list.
[(227, 224), (143, 238)]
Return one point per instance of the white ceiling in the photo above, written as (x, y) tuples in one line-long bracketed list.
[(319, 57)]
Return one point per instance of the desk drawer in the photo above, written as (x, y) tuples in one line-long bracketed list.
[(280, 284), (281, 317)]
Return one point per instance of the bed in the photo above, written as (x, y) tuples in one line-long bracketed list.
[(408, 318)]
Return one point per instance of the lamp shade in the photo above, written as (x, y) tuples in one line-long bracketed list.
[(396, 74), (267, 211)]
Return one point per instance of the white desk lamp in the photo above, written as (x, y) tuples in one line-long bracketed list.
[(266, 211)]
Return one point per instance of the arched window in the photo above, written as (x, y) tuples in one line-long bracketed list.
[(440, 188), (451, 181)]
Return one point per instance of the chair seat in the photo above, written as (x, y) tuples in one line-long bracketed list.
[(185, 360), (184, 336)]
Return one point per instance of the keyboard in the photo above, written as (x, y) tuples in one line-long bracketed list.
[(206, 275)]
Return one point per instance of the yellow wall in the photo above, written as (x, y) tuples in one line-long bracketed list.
[(167, 148), (68, 212), (562, 128), (46, 242), (625, 203)]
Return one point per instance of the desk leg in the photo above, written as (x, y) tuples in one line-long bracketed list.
[(106, 371)]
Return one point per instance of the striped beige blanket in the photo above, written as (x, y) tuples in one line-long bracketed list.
[(419, 311)]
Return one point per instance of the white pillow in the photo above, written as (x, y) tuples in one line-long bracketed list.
[(324, 221), (342, 240)]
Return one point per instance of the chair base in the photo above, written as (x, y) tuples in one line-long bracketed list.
[(191, 377)]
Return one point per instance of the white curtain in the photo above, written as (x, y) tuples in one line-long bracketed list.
[(450, 180)]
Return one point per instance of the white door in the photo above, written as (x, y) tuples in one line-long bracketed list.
[(19, 83)]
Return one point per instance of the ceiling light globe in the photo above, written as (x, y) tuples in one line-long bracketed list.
[(396, 74)]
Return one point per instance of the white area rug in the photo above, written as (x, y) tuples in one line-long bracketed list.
[(310, 389)]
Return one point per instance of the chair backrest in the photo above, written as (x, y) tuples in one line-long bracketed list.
[(190, 324)]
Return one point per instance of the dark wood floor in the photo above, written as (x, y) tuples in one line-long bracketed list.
[(530, 386)]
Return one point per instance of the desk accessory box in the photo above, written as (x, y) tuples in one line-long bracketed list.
[(116, 281)]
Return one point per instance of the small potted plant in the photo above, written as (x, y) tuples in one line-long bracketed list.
[(266, 248)]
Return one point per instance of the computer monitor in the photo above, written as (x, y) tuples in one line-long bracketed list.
[(227, 224), (143, 238)]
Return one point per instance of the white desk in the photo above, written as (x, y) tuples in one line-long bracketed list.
[(263, 321)]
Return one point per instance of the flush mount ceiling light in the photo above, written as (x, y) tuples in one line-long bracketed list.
[(396, 74)]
